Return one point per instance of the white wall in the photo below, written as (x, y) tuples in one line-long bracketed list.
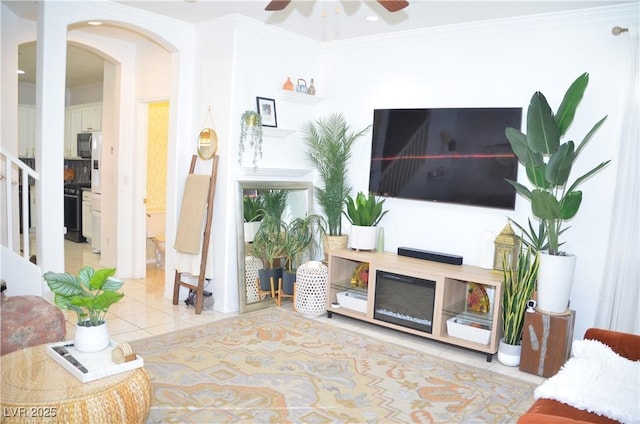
[(477, 65), (153, 67), (233, 70), (492, 64), (27, 93), (87, 93)]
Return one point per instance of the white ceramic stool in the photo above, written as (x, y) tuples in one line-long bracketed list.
[(311, 288)]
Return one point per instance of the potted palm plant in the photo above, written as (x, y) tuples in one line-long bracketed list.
[(274, 202), (252, 213), (251, 129), (518, 285), (269, 245), (301, 236), (364, 213), (330, 143), (89, 295), (548, 163)]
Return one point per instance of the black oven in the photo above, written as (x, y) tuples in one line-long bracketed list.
[(73, 212)]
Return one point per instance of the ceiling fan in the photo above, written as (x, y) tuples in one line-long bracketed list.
[(390, 5)]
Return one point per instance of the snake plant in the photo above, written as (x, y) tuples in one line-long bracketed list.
[(517, 289)]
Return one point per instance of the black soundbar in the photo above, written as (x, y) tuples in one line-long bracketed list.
[(430, 256)]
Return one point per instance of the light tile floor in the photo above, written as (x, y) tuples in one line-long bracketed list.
[(144, 312)]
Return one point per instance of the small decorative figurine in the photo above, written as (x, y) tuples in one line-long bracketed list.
[(288, 85), (312, 89)]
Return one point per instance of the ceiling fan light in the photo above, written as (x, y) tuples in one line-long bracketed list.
[(372, 18)]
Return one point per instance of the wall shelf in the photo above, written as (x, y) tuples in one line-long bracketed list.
[(292, 96), (276, 132)]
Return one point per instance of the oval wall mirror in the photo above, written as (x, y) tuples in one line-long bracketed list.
[(207, 143)]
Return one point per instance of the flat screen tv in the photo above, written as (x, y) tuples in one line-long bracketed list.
[(451, 155)]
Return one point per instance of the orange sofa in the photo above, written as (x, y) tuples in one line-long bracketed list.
[(548, 411)]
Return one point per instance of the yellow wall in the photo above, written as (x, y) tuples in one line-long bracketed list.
[(158, 136)]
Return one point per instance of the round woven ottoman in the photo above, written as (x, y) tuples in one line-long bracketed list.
[(311, 289), (35, 388)]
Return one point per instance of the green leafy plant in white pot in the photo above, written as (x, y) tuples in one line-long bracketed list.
[(269, 246), (364, 213), (252, 213), (548, 164), (517, 288), (302, 235), (251, 131), (330, 141), (89, 295)]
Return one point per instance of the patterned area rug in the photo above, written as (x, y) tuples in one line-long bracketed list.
[(280, 367)]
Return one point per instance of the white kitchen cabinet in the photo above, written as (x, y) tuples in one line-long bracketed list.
[(75, 126), (92, 118), (86, 214), (26, 131), (67, 129), (80, 118)]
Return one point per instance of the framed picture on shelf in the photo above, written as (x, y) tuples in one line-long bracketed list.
[(267, 109)]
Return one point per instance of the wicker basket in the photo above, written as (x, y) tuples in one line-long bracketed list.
[(330, 243), (34, 383)]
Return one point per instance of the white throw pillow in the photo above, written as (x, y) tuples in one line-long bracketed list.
[(597, 380)]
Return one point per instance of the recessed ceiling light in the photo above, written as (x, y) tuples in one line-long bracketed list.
[(372, 18), (20, 72), (95, 23)]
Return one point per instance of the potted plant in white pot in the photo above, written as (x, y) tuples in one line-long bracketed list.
[(330, 143), (89, 295), (548, 163), (274, 202), (301, 237), (250, 130), (517, 288), (269, 246), (252, 214), (364, 213)]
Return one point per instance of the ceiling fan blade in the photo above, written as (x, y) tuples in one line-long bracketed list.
[(275, 5), (393, 5)]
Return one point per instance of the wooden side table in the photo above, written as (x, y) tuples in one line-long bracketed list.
[(35, 388), (546, 342)]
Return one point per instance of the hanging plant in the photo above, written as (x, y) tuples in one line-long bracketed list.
[(251, 129)]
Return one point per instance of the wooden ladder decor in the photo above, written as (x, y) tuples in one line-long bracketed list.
[(199, 288)]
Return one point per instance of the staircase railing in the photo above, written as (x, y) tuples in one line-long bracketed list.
[(15, 177)]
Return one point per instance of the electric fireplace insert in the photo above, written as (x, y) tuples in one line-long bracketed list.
[(404, 300)]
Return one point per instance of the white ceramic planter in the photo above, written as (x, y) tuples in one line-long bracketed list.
[(363, 238), (509, 355), (250, 230), (555, 278), (91, 339)]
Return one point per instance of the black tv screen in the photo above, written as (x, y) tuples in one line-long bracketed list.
[(452, 155)]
